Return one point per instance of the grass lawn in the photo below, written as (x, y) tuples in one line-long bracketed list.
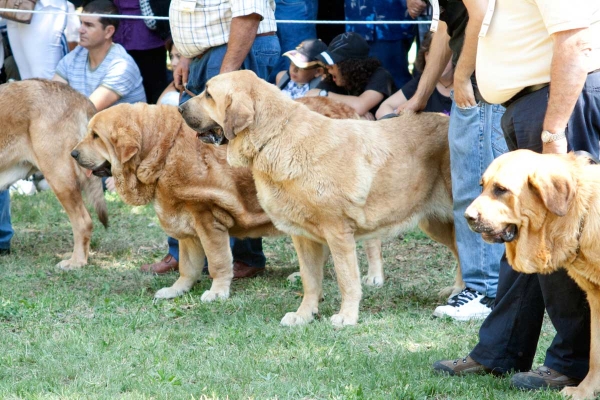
[(96, 333)]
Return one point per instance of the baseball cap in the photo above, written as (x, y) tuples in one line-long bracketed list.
[(345, 46), (304, 55)]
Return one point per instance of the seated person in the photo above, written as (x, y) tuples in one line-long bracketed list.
[(305, 71), (99, 68), (439, 101), (354, 78), (171, 95)]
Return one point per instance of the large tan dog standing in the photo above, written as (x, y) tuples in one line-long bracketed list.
[(330, 182), (546, 209), (199, 199), (41, 121)]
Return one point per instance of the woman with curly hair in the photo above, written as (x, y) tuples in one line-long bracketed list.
[(439, 101), (354, 78)]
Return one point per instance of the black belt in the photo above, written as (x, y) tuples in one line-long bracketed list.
[(524, 92)]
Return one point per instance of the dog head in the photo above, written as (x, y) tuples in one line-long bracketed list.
[(129, 142), (524, 193)]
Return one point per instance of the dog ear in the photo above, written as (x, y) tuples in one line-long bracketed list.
[(555, 188), (239, 114), (151, 167), (126, 144)]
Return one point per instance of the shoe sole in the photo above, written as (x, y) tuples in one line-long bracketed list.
[(460, 318)]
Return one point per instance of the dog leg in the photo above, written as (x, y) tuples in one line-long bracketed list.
[(220, 260), (375, 275), (311, 256), (443, 232), (591, 384), (191, 261), (343, 249), (66, 191)]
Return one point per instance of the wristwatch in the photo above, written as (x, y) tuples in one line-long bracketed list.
[(324, 93), (548, 137)]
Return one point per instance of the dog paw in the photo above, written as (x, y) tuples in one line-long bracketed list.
[(68, 265), (209, 296), (575, 393), (293, 319), (373, 281), (168, 293), (295, 277), (341, 320)]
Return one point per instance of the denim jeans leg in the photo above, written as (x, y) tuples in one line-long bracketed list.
[(291, 35), (6, 230), (393, 55), (470, 137), (173, 247)]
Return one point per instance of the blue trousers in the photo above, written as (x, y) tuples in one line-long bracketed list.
[(475, 138), (393, 55), (6, 230), (261, 59), (291, 35), (509, 335)]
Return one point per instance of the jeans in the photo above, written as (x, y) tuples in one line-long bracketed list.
[(291, 35), (393, 55), (261, 59), (475, 139), (6, 230), (509, 335)]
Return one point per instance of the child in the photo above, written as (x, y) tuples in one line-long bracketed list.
[(354, 78), (305, 71)]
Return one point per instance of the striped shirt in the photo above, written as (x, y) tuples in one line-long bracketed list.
[(209, 23), (117, 72)]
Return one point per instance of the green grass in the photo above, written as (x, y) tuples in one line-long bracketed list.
[(96, 333)]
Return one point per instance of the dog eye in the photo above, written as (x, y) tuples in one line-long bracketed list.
[(499, 190), (95, 135), (208, 96)]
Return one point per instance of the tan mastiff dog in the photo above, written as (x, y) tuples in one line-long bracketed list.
[(40, 122), (199, 199), (546, 209), (329, 182)]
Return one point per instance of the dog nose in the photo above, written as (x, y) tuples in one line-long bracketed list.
[(75, 154), (472, 215)]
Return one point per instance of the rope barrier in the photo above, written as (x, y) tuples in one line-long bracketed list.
[(167, 18)]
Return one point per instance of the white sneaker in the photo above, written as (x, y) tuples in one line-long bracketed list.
[(465, 306)]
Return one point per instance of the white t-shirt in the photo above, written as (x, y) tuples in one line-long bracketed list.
[(517, 50)]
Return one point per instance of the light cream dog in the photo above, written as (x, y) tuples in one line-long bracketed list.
[(546, 209), (40, 122), (330, 182), (199, 199)]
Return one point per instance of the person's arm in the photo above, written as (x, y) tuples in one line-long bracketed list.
[(415, 7), (439, 55), (568, 73), (361, 104), (181, 73), (58, 78), (241, 37), (390, 104), (103, 98), (463, 89)]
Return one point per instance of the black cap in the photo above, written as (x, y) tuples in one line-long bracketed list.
[(304, 56), (345, 46)]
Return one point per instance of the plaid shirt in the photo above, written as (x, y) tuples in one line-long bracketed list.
[(209, 24)]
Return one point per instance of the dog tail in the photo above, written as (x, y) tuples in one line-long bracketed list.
[(94, 195)]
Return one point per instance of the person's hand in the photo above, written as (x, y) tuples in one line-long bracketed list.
[(556, 147), (312, 93), (464, 96), (110, 184), (180, 75), (415, 7), (413, 104)]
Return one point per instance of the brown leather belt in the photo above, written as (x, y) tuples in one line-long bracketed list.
[(272, 33)]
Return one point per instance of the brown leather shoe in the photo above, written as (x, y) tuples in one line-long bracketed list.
[(542, 378), (460, 367), (242, 270), (164, 266)]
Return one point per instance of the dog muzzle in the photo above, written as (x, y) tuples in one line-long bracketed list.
[(212, 136)]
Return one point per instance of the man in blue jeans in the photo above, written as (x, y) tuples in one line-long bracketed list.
[(549, 81), (212, 41), (475, 139), (6, 230)]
